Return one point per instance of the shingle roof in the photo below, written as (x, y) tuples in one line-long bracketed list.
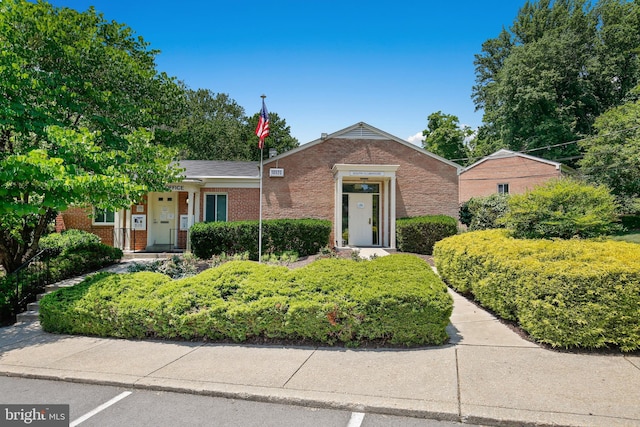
[(504, 153), (219, 169)]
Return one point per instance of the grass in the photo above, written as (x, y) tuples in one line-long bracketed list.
[(632, 237)]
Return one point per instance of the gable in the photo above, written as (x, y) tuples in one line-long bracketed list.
[(362, 131), (503, 154)]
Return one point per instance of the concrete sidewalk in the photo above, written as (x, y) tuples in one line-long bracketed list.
[(487, 374)]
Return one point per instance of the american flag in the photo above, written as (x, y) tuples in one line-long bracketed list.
[(262, 130)]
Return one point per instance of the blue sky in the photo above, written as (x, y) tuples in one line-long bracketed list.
[(324, 65)]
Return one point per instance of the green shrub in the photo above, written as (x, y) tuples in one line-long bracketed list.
[(484, 213), (68, 240), (566, 293), (630, 222), (68, 254), (176, 267), (563, 208), (419, 234), (302, 236), (82, 259), (395, 299)]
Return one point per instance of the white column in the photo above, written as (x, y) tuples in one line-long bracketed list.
[(337, 231), (191, 208), (392, 213), (191, 217), (386, 206), (118, 217), (196, 208), (127, 231)]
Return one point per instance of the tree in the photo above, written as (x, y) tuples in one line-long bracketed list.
[(483, 213), (612, 157), (543, 81), (445, 137), (214, 128), (279, 136), (562, 208), (74, 90)]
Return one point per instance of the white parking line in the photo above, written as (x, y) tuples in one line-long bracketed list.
[(356, 419), (100, 408)]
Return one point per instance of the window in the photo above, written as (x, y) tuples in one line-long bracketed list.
[(503, 188), (103, 216), (215, 208)]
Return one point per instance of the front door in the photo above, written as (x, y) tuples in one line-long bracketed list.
[(360, 219), (163, 221)]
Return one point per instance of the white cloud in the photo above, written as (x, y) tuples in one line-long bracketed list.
[(416, 139)]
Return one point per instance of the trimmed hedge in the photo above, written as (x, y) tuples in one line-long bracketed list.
[(395, 299), (303, 236), (68, 254), (68, 240), (566, 293), (562, 208), (419, 234)]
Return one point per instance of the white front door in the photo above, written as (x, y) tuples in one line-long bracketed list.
[(163, 219), (360, 219)]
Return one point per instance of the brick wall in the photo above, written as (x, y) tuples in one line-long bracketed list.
[(138, 240), (424, 185), (520, 173), (242, 203), (183, 209), (78, 218)]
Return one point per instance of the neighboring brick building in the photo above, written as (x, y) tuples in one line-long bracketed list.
[(359, 178), (507, 172)]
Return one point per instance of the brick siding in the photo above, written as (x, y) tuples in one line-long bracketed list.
[(424, 185), (520, 173)]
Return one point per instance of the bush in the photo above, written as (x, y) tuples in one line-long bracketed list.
[(302, 236), (566, 293), (563, 208), (630, 222), (395, 299), (176, 267), (69, 240), (68, 254), (82, 259), (419, 234), (483, 213)]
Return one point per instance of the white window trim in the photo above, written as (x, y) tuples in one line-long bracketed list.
[(94, 222), (503, 184), (226, 207)]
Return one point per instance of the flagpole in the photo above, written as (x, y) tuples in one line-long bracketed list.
[(260, 221)]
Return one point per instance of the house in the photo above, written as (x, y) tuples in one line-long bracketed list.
[(360, 178), (507, 172)]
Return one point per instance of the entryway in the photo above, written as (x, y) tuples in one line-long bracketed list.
[(162, 227), (365, 199), (361, 214)]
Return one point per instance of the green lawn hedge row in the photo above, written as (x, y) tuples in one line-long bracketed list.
[(68, 254), (302, 236), (419, 234), (395, 299), (566, 293)]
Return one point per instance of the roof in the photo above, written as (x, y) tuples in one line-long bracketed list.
[(363, 130), (504, 153), (219, 169)]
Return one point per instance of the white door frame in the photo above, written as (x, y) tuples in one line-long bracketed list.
[(159, 217), (386, 176)]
